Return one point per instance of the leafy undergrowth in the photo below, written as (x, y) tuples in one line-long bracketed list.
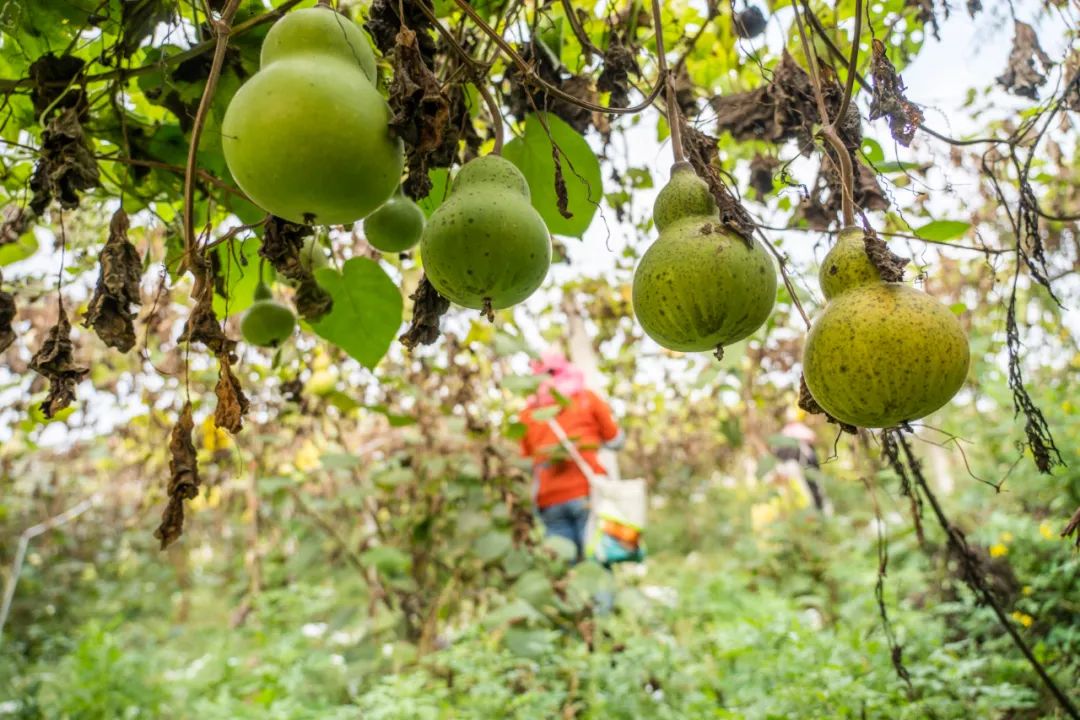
[(781, 623)]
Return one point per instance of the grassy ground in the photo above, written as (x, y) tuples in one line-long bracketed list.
[(720, 622)]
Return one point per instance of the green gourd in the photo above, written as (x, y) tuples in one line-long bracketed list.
[(307, 136), (267, 323), (699, 286), (880, 353), (396, 226), (486, 247)]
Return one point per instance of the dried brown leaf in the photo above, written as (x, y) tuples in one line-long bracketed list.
[(808, 404), (232, 404), (202, 324), (889, 100), (7, 314), (889, 265), (619, 63), (702, 154), (65, 166), (428, 307), (421, 108), (109, 312), (55, 361), (1021, 76), (183, 478), (781, 110)]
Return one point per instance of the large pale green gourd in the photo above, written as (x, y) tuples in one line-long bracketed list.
[(700, 287), (880, 353), (486, 246), (307, 136)]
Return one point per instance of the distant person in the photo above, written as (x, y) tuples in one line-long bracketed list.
[(561, 489), (799, 455)]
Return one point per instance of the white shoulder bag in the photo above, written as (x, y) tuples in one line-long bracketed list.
[(621, 501)]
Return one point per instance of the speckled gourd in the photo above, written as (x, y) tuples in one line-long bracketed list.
[(699, 286), (880, 353), (306, 137), (486, 246)]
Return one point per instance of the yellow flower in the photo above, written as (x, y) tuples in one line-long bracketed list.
[(998, 550), (1006, 537), (1022, 618), (307, 458), (1027, 590), (1046, 531)]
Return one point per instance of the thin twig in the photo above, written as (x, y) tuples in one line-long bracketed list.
[(828, 129), (853, 64), (496, 116), (221, 30), (8, 86), (528, 70), (973, 577), (817, 27), (673, 116), (579, 31), (788, 283), (180, 170)]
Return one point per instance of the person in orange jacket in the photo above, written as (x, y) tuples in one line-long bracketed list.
[(561, 489)]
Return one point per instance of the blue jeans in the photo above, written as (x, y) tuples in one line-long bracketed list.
[(567, 520)]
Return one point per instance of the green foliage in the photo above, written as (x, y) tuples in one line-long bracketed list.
[(534, 154), (366, 313)]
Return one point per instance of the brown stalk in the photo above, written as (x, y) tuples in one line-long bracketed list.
[(222, 32), (674, 120), (828, 130)]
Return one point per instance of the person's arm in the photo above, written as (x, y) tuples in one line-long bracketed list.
[(610, 433)]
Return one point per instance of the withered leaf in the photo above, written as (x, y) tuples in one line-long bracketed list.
[(109, 312), (421, 108), (16, 221), (781, 110), (889, 100), (65, 166), (889, 265), (55, 361), (762, 168), (1021, 76), (56, 87), (202, 324), (823, 205), (312, 301), (702, 154), (808, 404), (281, 246), (619, 62), (183, 478), (561, 198), (528, 96), (428, 307), (232, 404), (7, 314)]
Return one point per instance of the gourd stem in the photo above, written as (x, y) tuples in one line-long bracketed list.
[(496, 116), (674, 120)]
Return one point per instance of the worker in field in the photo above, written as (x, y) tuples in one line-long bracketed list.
[(565, 425)]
